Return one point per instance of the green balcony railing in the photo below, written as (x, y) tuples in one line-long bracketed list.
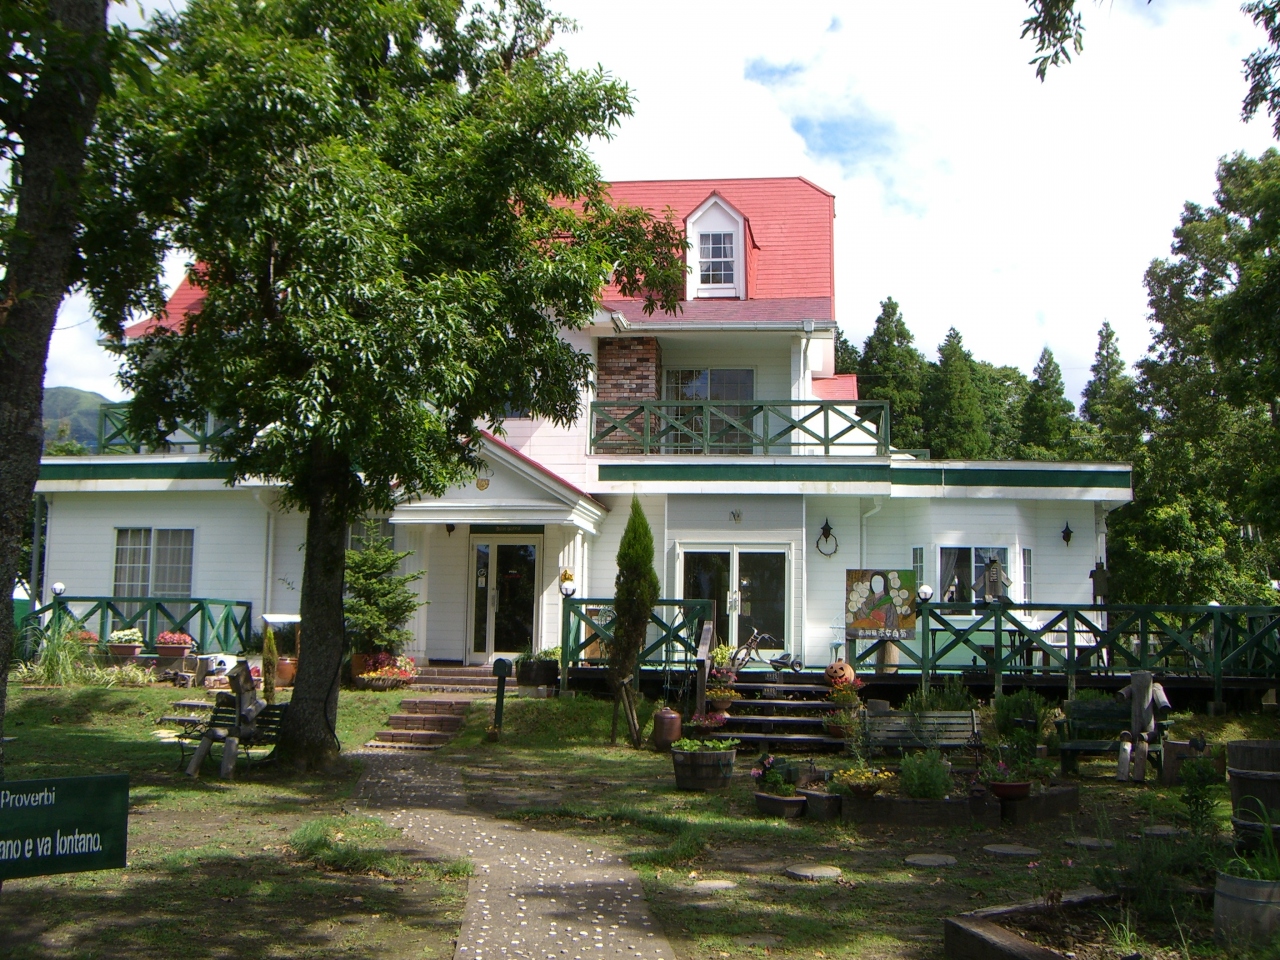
[(1219, 643), (759, 427), (114, 435), (216, 626), (586, 627)]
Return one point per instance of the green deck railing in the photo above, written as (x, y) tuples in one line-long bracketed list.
[(761, 427), (1215, 642), (114, 435), (675, 627), (216, 626)]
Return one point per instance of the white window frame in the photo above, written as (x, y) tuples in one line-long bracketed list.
[(151, 549), (941, 590), (1026, 575), (716, 215)]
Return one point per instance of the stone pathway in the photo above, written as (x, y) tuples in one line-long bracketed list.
[(534, 894)]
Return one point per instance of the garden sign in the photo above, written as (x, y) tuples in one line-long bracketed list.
[(67, 825)]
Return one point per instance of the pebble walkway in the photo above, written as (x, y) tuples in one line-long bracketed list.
[(535, 894)]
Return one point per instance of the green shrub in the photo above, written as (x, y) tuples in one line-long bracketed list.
[(952, 695), (925, 776), (1023, 705), (378, 602), (1152, 874), (1089, 693), (349, 845), (1199, 777)]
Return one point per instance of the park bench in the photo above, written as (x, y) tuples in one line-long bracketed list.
[(1094, 728), (902, 730), (225, 724)]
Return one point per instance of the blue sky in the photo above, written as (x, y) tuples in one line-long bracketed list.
[(1022, 213)]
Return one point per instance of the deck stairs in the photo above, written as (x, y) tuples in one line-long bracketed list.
[(780, 711), (456, 679), (423, 723)]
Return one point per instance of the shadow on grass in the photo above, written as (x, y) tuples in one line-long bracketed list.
[(198, 906)]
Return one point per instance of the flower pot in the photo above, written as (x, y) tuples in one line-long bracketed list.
[(174, 651), (1019, 790), (841, 731), (286, 670), (703, 769), (721, 706), (538, 673), (124, 649), (380, 683), (820, 805), (1245, 910), (774, 806)]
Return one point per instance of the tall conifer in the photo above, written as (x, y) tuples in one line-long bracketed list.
[(892, 369), (1047, 413), (956, 426)]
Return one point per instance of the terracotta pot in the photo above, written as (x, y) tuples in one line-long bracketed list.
[(774, 806), (286, 670), (172, 651), (721, 706), (124, 649), (666, 729), (1019, 790), (841, 731)]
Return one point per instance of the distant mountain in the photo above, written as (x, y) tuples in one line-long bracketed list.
[(78, 409)]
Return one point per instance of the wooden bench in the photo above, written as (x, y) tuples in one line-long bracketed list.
[(903, 730), (1093, 728), (224, 723)]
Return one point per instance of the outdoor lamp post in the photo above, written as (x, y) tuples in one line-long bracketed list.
[(924, 593), (58, 589), (567, 587)]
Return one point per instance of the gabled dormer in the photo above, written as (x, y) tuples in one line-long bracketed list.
[(718, 239)]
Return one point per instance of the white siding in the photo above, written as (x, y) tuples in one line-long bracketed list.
[(602, 556), (448, 581), (768, 354)]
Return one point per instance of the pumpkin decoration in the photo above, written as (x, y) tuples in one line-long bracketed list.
[(839, 672)]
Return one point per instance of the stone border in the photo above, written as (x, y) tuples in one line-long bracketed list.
[(982, 810)]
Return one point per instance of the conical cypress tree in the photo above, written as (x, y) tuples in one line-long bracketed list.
[(957, 429), (635, 591), (1107, 377), (1047, 419), (892, 369)]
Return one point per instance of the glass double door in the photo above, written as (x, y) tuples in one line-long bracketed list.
[(504, 596), (749, 587)]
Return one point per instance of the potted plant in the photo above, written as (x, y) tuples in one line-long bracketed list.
[(385, 671), (775, 795), (1006, 781), (173, 644), (820, 802), (700, 724), (861, 780), (86, 637), (721, 698), (844, 692), (722, 673), (703, 764), (125, 643), (541, 669), (1246, 897), (842, 723)]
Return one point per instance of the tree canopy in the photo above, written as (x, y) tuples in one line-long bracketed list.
[(393, 216), (957, 429), (1047, 415), (892, 369)]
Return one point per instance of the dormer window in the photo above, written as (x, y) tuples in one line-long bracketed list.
[(715, 259), (717, 234)]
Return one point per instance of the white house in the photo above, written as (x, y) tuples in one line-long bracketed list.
[(726, 420)]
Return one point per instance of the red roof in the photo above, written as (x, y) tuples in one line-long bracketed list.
[(790, 227), (490, 437), (843, 386), (187, 299)]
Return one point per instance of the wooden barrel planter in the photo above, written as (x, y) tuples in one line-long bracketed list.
[(703, 769), (1254, 768), (1245, 910)]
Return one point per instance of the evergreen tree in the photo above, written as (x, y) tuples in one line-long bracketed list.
[(957, 429), (892, 369), (846, 354), (1046, 420), (1002, 391), (635, 590), (1111, 421), (1107, 375), (378, 602)]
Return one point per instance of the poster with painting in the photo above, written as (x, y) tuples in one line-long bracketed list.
[(880, 603)]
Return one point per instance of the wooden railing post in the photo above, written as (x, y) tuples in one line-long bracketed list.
[(703, 664), (1071, 652), (999, 651)]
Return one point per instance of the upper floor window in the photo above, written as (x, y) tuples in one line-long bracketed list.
[(715, 258)]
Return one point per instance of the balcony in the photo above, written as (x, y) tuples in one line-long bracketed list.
[(752, 428), (114, 435)]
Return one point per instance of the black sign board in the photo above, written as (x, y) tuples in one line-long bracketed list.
[(67, 825)]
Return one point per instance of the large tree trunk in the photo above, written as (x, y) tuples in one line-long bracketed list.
[(309, 739), (53, 130)]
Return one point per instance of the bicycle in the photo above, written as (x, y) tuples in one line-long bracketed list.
[(750, 650)]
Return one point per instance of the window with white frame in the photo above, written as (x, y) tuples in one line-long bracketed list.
[(960, 571), (724, 387), (153, 562), (1026, 575), (917, 565), (715, 259)]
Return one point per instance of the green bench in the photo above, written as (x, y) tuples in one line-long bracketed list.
[(1093, 728), (903, 730), (224, 723)]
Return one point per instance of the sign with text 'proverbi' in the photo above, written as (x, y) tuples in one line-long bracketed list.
[(63, 826)]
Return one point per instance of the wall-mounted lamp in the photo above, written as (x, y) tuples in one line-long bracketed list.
[(924, 593), (1066, 534), (827, 544), (567, 587), (58, 589), (449, 528), (737, 515)]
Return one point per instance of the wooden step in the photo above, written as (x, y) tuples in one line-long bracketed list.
[(445, 723), (429, 671), (784, 739), (437, 706), (787, 704), (412, 736), (457, 683), (781, 718), (782, 687)]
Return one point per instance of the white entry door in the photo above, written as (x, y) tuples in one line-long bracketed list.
[(750, 586), (505, 577)]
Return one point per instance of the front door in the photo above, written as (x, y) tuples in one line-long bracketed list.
[(504, 595), (749, 587)]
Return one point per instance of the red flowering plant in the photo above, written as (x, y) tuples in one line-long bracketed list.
[(388, 666), (84, 636), (769, 779), (706, 721), (172, 638), (845, 691)]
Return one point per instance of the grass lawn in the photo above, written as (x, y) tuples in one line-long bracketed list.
[(267, 865), (551, 770)]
